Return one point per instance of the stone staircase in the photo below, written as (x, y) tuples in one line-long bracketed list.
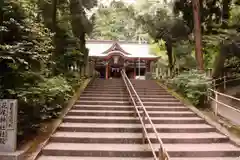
[(101, 125), (185, 135)]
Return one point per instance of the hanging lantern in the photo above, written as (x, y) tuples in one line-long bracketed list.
[(115, 59)]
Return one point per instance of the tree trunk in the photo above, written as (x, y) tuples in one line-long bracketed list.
[(54, 15), (169, 48), (54, 21), (77, 14), (225, 13), (219, 62), (1, 20), (198, 36)]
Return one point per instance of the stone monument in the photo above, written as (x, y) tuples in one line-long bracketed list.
[(8, 125)]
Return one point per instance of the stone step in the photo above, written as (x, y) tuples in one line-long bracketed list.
[(108, 80), (205, 158), (127, 98), (137, 150), (119, 102), (153, 94), (112, 86), (145, 83), (162, 128), (93, 158), (99, 80), (162, 103), (105, 89), (123, 95), (90, 98), (129, 108), (121, 84), (124, 89), (130, 158), (118, 92), (86, 102), (146, 86), (105, 95), (130, 113), (106, 86), (136, 138), (133, 120)]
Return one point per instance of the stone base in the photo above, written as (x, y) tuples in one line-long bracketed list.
[(18, 155)]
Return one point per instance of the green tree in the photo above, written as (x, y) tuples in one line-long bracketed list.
[(38, 47), (162, 26), (81, 24), (213, 13), (116, 22)]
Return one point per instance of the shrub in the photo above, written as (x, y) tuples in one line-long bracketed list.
[(41, 102), (74, 79), (192, 85)]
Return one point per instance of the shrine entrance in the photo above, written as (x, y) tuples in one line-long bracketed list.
[(110, 57), (116, 64), (115, 72)]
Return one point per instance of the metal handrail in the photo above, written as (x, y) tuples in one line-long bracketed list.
[(218, 102), (225, 95), (225, 81), (163, 155)]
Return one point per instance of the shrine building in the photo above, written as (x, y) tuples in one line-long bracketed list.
[(110, 57)]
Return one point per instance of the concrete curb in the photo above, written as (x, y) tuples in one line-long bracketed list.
[(34, 151), (18, 155), (223, 130)]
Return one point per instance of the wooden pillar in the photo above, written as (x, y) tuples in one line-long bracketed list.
[(148, 69), (94, 67), (107, 70), (169, 72), (157, 71), (135, 70)]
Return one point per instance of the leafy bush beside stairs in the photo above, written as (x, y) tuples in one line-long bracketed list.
[(193, 85), (43, 101)]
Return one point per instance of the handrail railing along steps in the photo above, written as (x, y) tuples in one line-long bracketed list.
[(163, 155)]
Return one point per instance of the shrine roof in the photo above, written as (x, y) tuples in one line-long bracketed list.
[(100, 48)]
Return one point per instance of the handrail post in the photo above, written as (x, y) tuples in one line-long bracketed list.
[(161, 154), (208, 95), (214, 84), (224, 82), (135, 113), (216, 104), (144, 123)]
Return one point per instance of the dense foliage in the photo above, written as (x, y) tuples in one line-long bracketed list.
[(116, 22), (41, 56), (192, 85), (161, 25), (220, 25)]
